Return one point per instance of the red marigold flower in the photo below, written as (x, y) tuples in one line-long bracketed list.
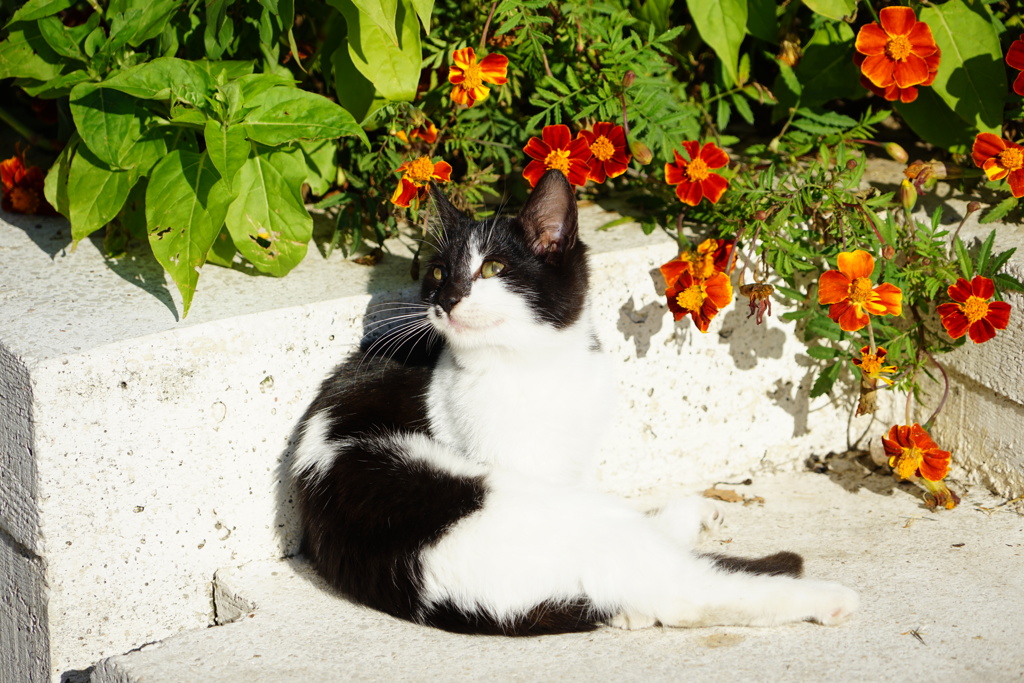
[(872, 365), (851, 293), (557, 149), (23, 187), (711, 256), (416, 176), (972, 311), (896, 51), (893, 92), (468, 76), (1015, 59), (699, 298), (693, 179), (912, 452), (611, 154), (999, 159)]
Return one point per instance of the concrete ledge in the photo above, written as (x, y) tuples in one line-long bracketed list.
[(141, 454), (952, 577)]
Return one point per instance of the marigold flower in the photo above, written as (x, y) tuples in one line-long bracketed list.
[(1015, 60), (711, 256), (699, 298), (896, 51), (426, 133), (416, 176), (893, 92), (468, 76), (611, 154), (693, 179), (872, 365), (760, 296), (851, 294), (972, 311), (22, 187), (556, 149), (999, 159), (913, 453)]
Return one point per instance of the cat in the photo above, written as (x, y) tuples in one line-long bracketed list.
[(444, 474)]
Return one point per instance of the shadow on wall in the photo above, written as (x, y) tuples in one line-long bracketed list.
[(387, 302)]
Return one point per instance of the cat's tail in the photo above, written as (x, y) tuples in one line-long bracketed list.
[(780, 564), (548, 618)]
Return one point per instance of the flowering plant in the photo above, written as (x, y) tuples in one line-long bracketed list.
[(743, 128)]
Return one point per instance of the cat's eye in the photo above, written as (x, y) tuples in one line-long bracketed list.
[(491, 268), (437, 272)]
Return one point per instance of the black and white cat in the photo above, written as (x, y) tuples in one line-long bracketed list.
[(454, 488)]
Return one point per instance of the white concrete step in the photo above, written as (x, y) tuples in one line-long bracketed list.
[(952, 577)]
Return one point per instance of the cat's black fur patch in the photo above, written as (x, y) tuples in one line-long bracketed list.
[(782, 563), (549, 618)]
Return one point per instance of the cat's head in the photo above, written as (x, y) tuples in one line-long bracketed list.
[(508, 281)]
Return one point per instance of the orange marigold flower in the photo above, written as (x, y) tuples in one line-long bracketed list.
[(851, 293), (896, 51), (611, 154), (416, 176), (468, 76), (556, 149), (912, 453), (22, 187), (893, 92), (1015, 60), (999, 159), (972, 311), (699, 298), (872, 365), (693, 179), (427, 134), (711, 256)]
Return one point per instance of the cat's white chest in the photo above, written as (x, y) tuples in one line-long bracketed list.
[(541, 413)]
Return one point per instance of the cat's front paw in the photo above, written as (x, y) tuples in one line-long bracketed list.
[(833, 604)]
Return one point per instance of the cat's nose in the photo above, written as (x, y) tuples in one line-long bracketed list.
[(449, 298)]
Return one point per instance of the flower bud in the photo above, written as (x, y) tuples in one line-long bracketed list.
[(908, 195), (641, 152), (851, 164), (628, 79), (896, 152), (761, 215), (888, 251), (972, 207)]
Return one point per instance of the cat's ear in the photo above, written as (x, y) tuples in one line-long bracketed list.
[(549, 217), (449, 215)]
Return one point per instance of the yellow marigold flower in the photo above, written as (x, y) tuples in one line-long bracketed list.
[(468, 76), (871, 364)]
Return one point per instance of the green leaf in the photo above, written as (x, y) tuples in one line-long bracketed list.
[(1008, 283), (60, 38), (285, 114), (986, 251), (963, 258), (354, 91), (55, 188), (95, 193), (393, 68), (822, 352), (382, 14), (1000, 210), (826, 380), (997, 262), (186, 202), (424, 8), (268, 222), (155, 16), (37, 9), (935, 122), (836, 10), (972, 77), (321, 165), (223, 251), (722, 25), (109, 122), (826, 71), (761, 21), (228, 148), (20, 55), (164, 78)]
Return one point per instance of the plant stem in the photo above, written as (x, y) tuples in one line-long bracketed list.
[(945, 388), (487, 26), (24, 131)]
